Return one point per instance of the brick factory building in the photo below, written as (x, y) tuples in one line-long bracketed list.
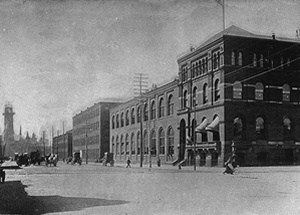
[(241, 93), (159, 126), (62, 145), (237, 93), (91, 131)]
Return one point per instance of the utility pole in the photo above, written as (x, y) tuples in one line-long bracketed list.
[(57, 142), (44, 144), (85, 141), (52, 134), (64, 141), (141, 86)]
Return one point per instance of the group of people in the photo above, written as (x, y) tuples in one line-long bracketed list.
[(129, 163)]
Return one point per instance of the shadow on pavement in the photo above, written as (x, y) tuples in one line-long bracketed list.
[(15, 200)]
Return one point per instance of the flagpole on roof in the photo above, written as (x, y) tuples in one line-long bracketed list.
[(222, 3)]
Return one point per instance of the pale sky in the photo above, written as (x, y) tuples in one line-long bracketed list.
[(58, 57)]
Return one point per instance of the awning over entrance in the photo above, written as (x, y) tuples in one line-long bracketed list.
[(201, 128), (214, 125)]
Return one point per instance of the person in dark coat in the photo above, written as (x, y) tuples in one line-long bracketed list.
[(229, 169), (128, 163), (2, 175)]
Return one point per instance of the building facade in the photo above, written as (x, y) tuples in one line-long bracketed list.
[(62, 145), (240, 94), (91, 131), (154, 117)]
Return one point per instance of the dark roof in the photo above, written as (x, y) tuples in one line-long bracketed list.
[(232, 31), (239, 32)]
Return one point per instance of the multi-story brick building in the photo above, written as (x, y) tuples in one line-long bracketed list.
[(158, 124), (240, 92), (62, 145), (91, 131)]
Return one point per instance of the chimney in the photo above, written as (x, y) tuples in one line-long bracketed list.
[(273, 36)]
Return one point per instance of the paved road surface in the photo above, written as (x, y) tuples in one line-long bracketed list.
[(94, 189)]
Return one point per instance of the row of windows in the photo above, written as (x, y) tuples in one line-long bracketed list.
[(125, 119), (204, 94), (258, 60), (86, 128), (123, 146), (260, 128), (259, 91), (201, 66)]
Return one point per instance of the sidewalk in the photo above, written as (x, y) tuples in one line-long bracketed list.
[(154, 166)]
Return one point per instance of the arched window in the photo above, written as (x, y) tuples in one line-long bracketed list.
[(122, 145), (259, 91), (185, 99), (145, 112), (170, 143), (117, 145), (113, 145), (122, 119), (161, 136), (286, 91), (113, 122), (170, 105), (237, 90), (127, 144), (132, 144), (146, 147), (153, 143), (161, 108), (260, 128), (233, 58), (117, 120), (217, 90), (254, 60), (261, 61), (205, 94), (237, 129), (132, 116), (153, 110), (138, 142), (138, 113), (287, 129), (240, 59), (127, 117), (195, 96)]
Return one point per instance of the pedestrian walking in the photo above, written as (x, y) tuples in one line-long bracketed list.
[(128, 163), (158, 162), (229, 168)]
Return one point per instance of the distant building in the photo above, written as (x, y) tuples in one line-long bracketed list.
[(91, 131), (8, 135), (62, 145)]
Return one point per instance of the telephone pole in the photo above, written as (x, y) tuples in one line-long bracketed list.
[(140, 84), (64, 144)]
